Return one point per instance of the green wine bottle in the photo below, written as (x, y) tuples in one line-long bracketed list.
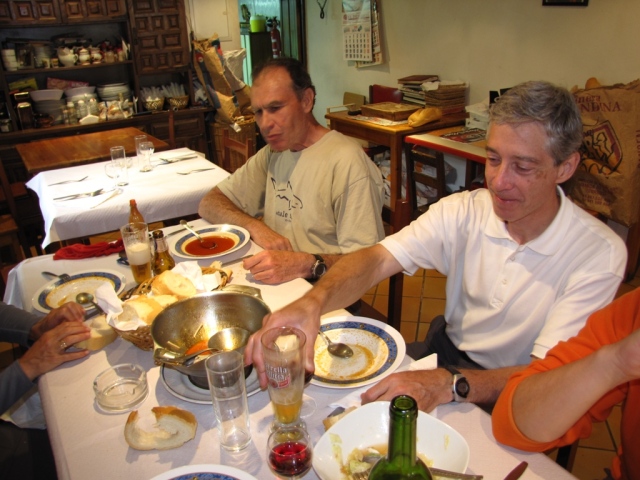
[(401, 462)]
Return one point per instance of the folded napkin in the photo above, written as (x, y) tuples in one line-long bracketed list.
[(108, 300), (78, 250), (353, 399), (203, 283)]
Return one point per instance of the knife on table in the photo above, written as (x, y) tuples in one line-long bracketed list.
[(117, 192)]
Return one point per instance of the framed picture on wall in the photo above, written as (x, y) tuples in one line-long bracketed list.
[(567, 3)]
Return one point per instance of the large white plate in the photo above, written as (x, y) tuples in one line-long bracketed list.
[(378, 351), (57, 292), (238, 234), (368, 426), (180, 386), (204, 472)]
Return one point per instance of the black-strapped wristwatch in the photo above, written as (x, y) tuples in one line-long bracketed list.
[(460, 385), (319, 268)]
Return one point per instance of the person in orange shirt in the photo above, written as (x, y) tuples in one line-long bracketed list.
[(555, 401)]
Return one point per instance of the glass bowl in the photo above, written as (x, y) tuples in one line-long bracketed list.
[(121, 388)]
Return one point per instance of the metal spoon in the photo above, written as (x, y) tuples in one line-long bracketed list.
[(168, 356), (83, 298), (337, 349), (230, 338), (205, 243)]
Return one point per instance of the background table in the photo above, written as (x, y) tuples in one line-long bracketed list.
[(473, 152), (390, 136), (90, 444), (60, 152), (161, 194)]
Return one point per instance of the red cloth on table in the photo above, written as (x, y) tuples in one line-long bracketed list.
[(79, 250)]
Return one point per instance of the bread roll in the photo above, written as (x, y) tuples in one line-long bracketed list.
[(331, 421), (170, 283), (142, 308), (424, 115), (592, 83), (101, 334), (165, 300), (173, 428)]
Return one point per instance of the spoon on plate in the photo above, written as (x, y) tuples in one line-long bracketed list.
[(209, 244), (84, 298), (337, 349)]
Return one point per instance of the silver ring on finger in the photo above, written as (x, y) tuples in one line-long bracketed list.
[(63, 345)]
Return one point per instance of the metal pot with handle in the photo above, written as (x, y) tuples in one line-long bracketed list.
[(188, 325)]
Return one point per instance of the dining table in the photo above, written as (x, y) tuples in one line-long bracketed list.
[(389, 134), (58, 152), (89, 443), (161, 194)]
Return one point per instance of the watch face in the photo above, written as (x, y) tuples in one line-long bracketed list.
[(462, 387), (320, 269)]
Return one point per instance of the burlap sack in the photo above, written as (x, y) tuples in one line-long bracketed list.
[(608, 178)]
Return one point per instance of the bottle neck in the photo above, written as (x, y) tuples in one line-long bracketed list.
[(402, 439), (161, 245)]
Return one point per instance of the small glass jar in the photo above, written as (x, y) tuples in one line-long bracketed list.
[(5, 126)]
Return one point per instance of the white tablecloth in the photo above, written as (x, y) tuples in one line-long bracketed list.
[(160, 194), (88, 443)]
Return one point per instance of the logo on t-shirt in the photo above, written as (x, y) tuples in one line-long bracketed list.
[(285, 196)]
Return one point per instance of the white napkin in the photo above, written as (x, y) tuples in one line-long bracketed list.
[(108, 300), (354, 400), (203, 283)]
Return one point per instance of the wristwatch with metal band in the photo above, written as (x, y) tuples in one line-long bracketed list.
[(319, 268), (460, 385)]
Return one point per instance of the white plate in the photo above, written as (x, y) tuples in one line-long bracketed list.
[(180, 386), (378, 351), (204, 472), (238, 234), (368, 426), (57, 292)]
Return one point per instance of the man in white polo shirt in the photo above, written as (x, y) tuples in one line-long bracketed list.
[(525, 266)]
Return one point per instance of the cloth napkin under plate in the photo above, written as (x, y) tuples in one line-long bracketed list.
[(353, 399), (78, 251)]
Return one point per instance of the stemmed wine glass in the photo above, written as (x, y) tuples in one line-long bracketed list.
[(289, 452)]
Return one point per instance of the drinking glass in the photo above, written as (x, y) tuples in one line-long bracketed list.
[(119, 169), (146, 150), (138, 140), (136, 243), (289, 452), (283, 349), (225, 373)]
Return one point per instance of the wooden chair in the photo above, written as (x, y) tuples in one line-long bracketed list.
[(235, 153), (380, 93), (428, 160)]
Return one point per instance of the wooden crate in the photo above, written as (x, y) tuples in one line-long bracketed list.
[(247, 132), (389, 110)]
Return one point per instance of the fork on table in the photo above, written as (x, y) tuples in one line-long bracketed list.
[(194, 171)]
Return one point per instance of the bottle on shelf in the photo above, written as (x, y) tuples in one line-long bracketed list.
[(134, 214), (401, 460), (73, 115), (162, 260), (93, 107), (82, 109)]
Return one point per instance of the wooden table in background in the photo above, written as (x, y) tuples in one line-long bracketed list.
[(74, 150), (472, 152), (390, 136)]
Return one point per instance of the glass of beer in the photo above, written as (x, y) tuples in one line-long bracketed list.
[(136, 243), (283, 349)]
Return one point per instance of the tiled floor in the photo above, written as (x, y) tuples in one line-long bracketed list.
[(424, 298)]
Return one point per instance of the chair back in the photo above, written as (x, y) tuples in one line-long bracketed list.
[(235, 153), (431, 173), (380, 93)]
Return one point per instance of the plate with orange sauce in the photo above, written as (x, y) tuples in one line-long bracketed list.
[(227, 239)]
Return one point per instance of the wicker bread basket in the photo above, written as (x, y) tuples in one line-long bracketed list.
[(154, 105), (179, 102), (141, 336)]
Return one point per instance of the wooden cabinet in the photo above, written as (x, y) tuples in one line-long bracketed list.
[(27, 12), (160, 40), (92, 10)]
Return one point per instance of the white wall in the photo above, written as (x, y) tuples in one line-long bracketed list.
[(491, 44), (207, 17)]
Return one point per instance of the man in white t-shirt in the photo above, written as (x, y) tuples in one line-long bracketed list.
[(525, 266), (317, 192)]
